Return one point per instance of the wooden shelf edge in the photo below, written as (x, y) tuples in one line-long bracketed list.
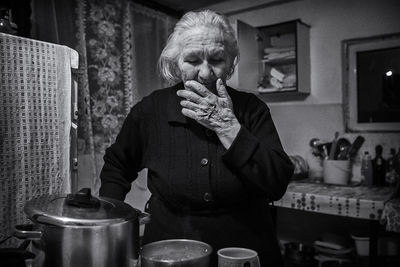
[(283, 96)]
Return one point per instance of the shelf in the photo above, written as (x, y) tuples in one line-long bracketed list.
[(275, 90), (284, 61), (274, 56), (283, 96)]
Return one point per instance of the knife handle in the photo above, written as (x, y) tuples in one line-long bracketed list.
[(355, 147)]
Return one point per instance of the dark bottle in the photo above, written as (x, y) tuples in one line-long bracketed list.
[(366, 169), (396, 166), (379, 167), (390, 171), (396, 162)]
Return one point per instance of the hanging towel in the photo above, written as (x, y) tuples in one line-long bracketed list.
[(35, 123)]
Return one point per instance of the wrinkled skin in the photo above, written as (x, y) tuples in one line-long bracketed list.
[(204, 66)]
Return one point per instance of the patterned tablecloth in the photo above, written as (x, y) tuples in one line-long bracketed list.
[(351, 201)]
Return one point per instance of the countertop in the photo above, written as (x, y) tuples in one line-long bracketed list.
[(356, 201)]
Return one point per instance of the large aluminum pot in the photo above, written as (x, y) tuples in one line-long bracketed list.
[(79, 230), (176, 252)]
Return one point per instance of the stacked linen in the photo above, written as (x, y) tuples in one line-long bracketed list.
[(281, 78), (279, 53), (280, 75)]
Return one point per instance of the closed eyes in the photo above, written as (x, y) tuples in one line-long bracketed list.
[(192, 60), (212, 60)]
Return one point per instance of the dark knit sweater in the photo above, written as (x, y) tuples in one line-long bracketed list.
[(155, 135), (190, 172)]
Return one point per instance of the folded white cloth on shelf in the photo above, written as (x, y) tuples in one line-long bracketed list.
[(269, 50), (275, 82), (282, 55), (277, 74), (289, 80), (267, 89)]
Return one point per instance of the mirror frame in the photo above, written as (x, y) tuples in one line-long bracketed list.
[(349, 93)]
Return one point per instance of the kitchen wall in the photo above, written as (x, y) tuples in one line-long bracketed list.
[(320, 114), (331, 22)]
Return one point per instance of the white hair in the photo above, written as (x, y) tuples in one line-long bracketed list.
[(168, 61)]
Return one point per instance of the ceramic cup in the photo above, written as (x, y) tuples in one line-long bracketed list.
[(237, 257)]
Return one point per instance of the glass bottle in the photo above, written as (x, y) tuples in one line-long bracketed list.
[(390, 171), (366, 169), (396, 166), (379, 167)]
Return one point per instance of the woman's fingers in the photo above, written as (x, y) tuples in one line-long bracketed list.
[(197, 115), (204, 102), (191, 96), (189, 113), (199, 109), (221, 89), (198, 88), (189, 105), (204, 106)]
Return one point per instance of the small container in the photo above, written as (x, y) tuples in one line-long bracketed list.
[(236, 256), (175, 252), (337, 172), (362, 245)]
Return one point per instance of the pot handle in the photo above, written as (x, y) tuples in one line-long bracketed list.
[(144, 217), (25, 231)]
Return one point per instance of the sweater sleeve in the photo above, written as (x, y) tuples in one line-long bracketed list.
[(257, 154), (122, 160)]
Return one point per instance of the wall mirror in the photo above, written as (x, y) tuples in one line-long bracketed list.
[(371, 84)]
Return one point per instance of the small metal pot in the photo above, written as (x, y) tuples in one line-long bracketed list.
[(176, 252), (79, 230)]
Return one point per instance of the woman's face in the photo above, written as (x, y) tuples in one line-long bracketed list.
[(203, 56)]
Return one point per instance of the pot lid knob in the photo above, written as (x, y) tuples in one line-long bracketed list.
[(83, 199)]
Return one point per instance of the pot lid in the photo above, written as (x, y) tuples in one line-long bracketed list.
[(80, 209)]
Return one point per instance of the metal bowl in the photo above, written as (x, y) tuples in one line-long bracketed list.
[(176, 252)]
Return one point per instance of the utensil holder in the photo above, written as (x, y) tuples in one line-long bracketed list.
[(337, 172)]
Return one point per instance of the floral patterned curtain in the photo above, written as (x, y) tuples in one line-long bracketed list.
[(119, 43)]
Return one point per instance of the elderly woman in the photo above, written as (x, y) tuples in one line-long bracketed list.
[(213, 155)]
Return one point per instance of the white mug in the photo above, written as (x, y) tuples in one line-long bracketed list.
[(237, 257)]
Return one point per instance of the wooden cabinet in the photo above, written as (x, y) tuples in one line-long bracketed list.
[(274, 60)]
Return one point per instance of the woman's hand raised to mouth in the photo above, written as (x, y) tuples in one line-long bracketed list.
[(214, 112)]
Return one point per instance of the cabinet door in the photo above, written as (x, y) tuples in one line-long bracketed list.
[(303, 58), (248, 66)]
